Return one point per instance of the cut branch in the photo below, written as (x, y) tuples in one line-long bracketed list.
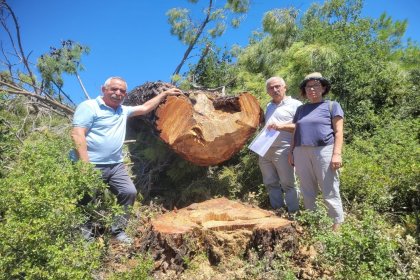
[(13, 89)]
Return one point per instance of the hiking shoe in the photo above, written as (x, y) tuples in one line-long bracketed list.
[(123, 238)]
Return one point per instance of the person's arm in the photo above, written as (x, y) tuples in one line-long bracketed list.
[(289, 127), (154, 102), (290, 158), (78, 135), (292, 147), (338, 124)]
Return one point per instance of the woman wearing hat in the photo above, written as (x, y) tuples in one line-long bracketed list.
[(317, 145)]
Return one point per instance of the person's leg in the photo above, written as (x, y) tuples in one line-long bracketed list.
[(304, 169), (328, 180), (121, 185), (286, 174), (271, 180), (88, 228)]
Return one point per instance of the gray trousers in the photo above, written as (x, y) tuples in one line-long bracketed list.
[(313, 166), (120, 184), (279, 179)]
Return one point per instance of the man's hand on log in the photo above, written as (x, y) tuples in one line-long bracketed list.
[(173, 91)]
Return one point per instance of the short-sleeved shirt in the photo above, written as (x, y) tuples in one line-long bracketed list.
[(106, 129), (282, 113), (314, 123)]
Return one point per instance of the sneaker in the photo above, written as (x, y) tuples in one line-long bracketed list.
[(123, 238), (87, 233)]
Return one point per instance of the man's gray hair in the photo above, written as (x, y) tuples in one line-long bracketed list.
[(275, 79), (108, 81)]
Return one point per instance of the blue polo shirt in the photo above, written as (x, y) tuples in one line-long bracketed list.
[(106, 129), (282, 113)]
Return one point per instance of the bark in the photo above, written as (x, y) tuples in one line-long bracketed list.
[(201, 126)]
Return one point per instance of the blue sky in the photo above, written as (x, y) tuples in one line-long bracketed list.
[(131, 38)]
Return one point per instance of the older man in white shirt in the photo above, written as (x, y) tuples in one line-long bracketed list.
[(278, 175)]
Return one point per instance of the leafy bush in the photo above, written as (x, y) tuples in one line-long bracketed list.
[(7, 146), (140, 271), (383, 171), (242, 178), (363, 249), (40, 219)]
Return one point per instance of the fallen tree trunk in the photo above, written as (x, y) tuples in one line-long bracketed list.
[(202, 127)]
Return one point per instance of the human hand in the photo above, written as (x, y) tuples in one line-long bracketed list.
[(336, 161), (272, 126), (173, 91)]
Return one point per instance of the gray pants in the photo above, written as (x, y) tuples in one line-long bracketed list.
[(120, 184), (279, 179), (313, 166)]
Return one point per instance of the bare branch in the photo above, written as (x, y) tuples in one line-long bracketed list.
[(20, 49), (192, 44), (13, 89), (83, 87), (11, 128)]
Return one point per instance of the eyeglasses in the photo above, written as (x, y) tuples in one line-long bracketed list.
[(113, 89), (275, 87), (316, 86)]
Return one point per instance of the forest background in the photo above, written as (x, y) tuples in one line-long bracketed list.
[(375, 77)]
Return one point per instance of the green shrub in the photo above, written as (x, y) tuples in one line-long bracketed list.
[(40, 219), (8, 143), (383, 171), (141, 271), (363, 249)]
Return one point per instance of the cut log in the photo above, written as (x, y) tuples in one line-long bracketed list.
[(202, 127), (219, 227)]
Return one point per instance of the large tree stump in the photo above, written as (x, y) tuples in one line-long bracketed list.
[(202, 127), (219, 227)]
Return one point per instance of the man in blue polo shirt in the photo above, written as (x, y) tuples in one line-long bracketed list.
[(99, 127), (278, 175)]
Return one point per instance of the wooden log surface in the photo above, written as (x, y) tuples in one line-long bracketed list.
[(218, 214), (202, 127), (221, 228)]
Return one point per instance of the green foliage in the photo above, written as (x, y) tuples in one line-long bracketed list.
[(278, 267), (281, 25), (238, 6), (371, 72), (363, 249), (382, 171), (374, 76), (40, 218), (215, 69), (186, 29), (300, 57), (58, 61), (178, 19), (8, 146), (140, 271), (261, 58), (213, 24)]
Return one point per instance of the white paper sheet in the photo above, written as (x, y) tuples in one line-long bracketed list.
[(263, 141)]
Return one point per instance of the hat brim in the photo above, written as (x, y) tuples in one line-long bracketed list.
[(323, 81)]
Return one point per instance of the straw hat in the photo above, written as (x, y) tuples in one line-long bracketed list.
[(318, 77)]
